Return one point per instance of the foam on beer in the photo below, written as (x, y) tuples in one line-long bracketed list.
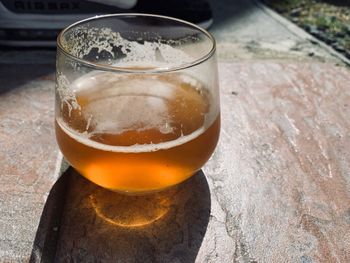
[(136, 95), (83, 39), (123, 102), (137, 148)]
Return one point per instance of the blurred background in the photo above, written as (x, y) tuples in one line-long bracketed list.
[(327, 20), (36, 23)]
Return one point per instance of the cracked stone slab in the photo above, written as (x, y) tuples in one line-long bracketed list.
[(276, 189), (281, 173), (279, 180)]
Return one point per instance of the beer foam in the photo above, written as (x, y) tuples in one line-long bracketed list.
[(137, 148), (80, 41), (117, 103), (67, 95), (137, 95)]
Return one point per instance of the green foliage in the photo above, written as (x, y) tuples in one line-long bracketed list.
[(326, 19)]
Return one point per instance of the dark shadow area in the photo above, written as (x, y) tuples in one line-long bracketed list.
[(98, 225), (20, 65), (44, 247), (15, 75), (229, 10), (26, 49), (344, 3)]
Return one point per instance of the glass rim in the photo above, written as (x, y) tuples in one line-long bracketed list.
[(105, 67)]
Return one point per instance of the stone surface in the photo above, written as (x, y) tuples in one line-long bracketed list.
[(277, 188), (281, 176), (28, 154), (260, 177), (245, 29), (164, 227)]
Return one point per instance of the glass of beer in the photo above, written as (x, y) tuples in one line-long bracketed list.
[(137, 100)]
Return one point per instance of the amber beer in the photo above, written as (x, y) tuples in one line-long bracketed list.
[(138, 133)]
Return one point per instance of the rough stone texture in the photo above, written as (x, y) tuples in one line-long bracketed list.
[(28, 155), (280, 178), (164, 227), (279, 182)]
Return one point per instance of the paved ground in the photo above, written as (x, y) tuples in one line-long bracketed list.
[(248, 30), (276, 189), (303, 195)]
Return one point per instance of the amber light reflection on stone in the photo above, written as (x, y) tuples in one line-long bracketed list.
[(131, 211)]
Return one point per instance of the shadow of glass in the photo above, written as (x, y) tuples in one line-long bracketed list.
[(99, 225), (45, 243)]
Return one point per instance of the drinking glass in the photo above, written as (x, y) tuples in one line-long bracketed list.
[(137, 100)]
